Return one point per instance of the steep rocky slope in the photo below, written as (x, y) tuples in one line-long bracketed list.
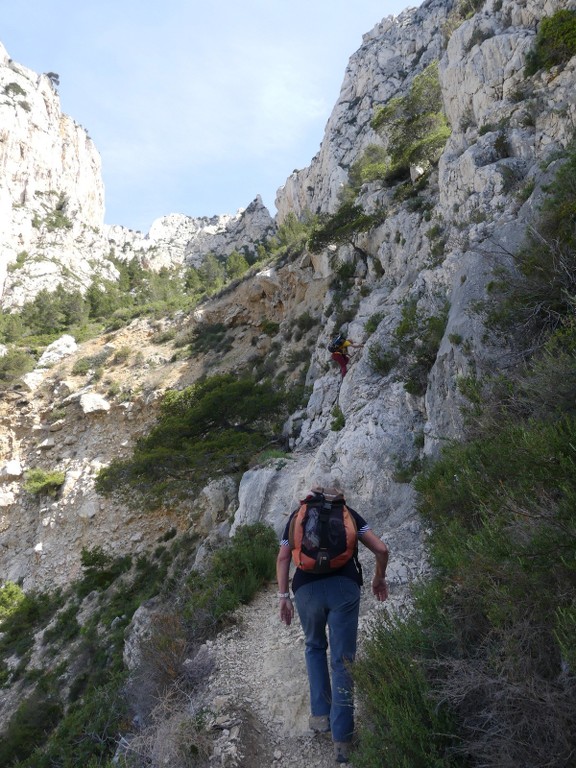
[(435, 251)]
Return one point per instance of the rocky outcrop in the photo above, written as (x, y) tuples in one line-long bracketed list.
[(51, 191), (391, 54), (177, 239)]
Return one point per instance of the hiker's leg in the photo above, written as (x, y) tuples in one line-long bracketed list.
[(343, 629), (312, 611), (342, 361)]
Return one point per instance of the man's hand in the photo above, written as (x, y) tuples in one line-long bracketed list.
[(380, 588), (286, 610)]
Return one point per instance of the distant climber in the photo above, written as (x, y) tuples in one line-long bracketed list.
[(338, 347)]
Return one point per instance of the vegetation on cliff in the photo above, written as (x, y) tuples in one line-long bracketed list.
[(483, 671), (208, 430), (72, 713)]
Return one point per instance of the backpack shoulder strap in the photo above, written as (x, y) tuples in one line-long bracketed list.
[(297, 515), (355, 556)]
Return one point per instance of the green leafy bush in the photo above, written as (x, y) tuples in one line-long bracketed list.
[(11, 595), (15, 363), (100, 570), (236, 572), (206, 430), (40, 482), (555, 42), (504, 523), (373, 165), (269, 327), (338, 420), (35, 717), (210, 337), (236, 265), (381, 360), (415, 129), (341, 227), (401, 723), (291, 237), (373, 322), (537, 298), (14, 89), (417, 341), (28, 612)]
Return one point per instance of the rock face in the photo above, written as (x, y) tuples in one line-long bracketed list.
[(383, 67), (51, 191), (177, 239)]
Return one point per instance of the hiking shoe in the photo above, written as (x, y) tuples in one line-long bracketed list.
[(342, 751), (319, 723)]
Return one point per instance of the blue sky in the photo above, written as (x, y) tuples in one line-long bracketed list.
[(195, 107)]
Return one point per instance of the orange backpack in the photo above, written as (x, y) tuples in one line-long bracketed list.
[(322, 535)]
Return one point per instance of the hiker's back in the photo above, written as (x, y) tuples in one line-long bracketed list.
[(323, 534)]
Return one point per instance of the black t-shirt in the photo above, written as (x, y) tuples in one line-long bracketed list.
[(351, 570)]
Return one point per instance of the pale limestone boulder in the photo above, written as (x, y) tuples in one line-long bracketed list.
[(92, 402), (214, 504), (33, 379), (11, 470), (63, 347)]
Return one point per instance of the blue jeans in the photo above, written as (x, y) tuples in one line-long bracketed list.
[(332, 602)]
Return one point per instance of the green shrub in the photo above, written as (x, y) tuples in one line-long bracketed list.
[(503, 512), (381, 360), (100, 570), (290, 239), (92, 362), (373, 322), (341, 227), (14, 89), (401, 723), (88, 734), (65, 628), (27, 614), (205, 430), (305, 322), (538, 296), (295, 358), (371, 166), (415, 129), (269, 327), (555, 42), (210, 337), (40, 482), (29, 727), (236, 265), (121, 355), (15, 363), (236, 572), (338, 420), (417, 341), (57, 220), (11, 595)]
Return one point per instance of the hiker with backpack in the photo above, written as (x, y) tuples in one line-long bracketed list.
[(321, 538), (338, 347)]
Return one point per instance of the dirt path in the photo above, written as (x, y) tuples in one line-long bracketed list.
[(259, 691)]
